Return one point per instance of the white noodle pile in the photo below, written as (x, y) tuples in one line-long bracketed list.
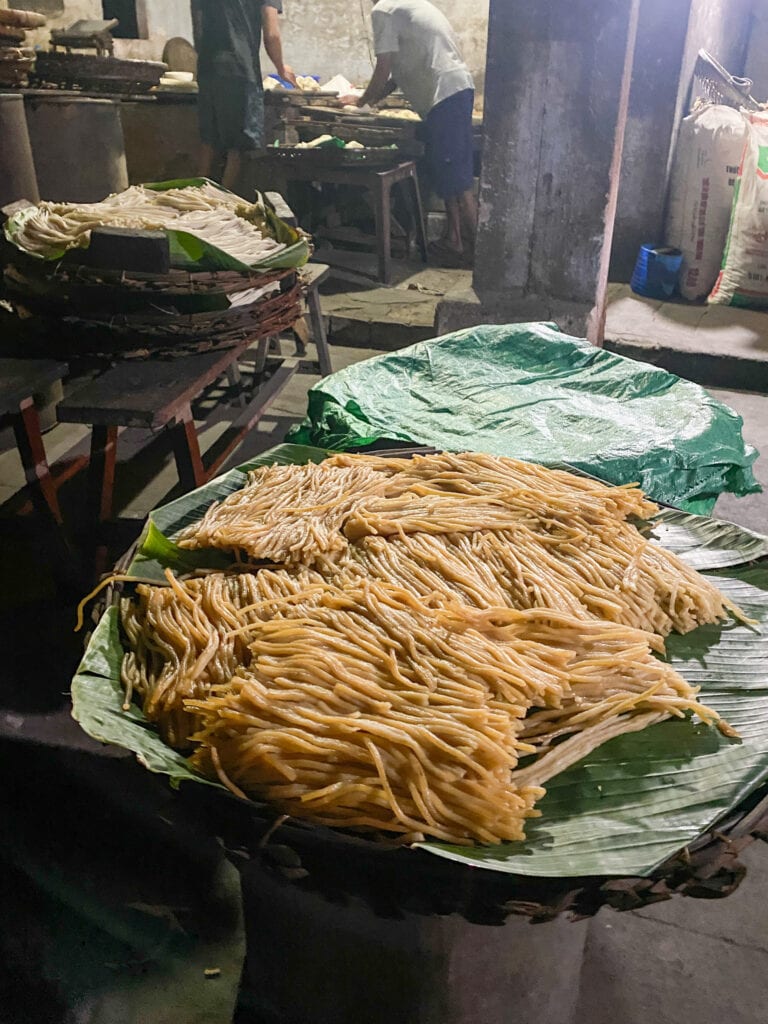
[(215, 216)]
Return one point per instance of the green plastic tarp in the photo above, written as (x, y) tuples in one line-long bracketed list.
[(532, 392)]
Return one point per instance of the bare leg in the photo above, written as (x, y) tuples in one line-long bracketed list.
[(457, 245), (207, 161), (232, 169), (452, 236), (467, 210)]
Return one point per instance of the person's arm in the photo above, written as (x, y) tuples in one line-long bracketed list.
[(197, 23), (381, 84), (273, 44)]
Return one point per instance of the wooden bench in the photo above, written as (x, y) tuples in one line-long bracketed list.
[(20, 380), (158, 395)]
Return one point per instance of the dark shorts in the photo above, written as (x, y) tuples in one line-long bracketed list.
[(231, 113), (449, 145)]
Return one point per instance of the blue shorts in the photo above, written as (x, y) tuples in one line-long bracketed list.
[(230, 113), (449, 145)]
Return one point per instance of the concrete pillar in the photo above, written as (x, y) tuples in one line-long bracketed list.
[(651, 127), (756, 66), (722, 27), (557, 88)]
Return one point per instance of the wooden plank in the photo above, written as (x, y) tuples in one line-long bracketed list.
[(148, 393), (313, 274), (29, 442), (101, 474), (22, 378)]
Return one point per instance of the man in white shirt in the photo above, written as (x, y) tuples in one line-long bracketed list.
[(416, 50)]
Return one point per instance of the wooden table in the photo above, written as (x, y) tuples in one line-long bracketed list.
[(378, 182)]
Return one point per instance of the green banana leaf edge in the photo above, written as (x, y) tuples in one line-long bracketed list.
[(621, 811)]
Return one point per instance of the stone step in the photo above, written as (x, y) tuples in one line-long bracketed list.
[(717, 346)]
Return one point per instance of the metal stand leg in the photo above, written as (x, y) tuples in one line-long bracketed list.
[(318, 331)]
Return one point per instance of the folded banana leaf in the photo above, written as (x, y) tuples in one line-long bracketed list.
[(626, 807)]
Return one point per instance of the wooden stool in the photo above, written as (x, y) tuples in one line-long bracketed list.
[(158, 395), (312, 276), (381, 186), (20, 379)]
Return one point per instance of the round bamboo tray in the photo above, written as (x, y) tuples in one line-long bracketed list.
[(58, 288), (96, 73), (76, 311)]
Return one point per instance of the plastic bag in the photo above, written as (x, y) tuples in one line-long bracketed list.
[(743, 281), (707, 157), (529, 391)]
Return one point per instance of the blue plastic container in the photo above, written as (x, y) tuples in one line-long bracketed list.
[(287, 85), (656, 271)]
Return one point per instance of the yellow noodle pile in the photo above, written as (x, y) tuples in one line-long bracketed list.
[(287, 513), (367, 709), (183, 640), (620, 577), (532, 537), (423, 626)]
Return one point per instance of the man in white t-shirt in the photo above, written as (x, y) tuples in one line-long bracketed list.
[(416, 50)]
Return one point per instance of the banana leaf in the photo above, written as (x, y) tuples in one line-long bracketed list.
[(625, 808)]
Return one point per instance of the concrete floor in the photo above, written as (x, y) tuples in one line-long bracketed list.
[(751, 511), (109, 929), (718, 346)]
